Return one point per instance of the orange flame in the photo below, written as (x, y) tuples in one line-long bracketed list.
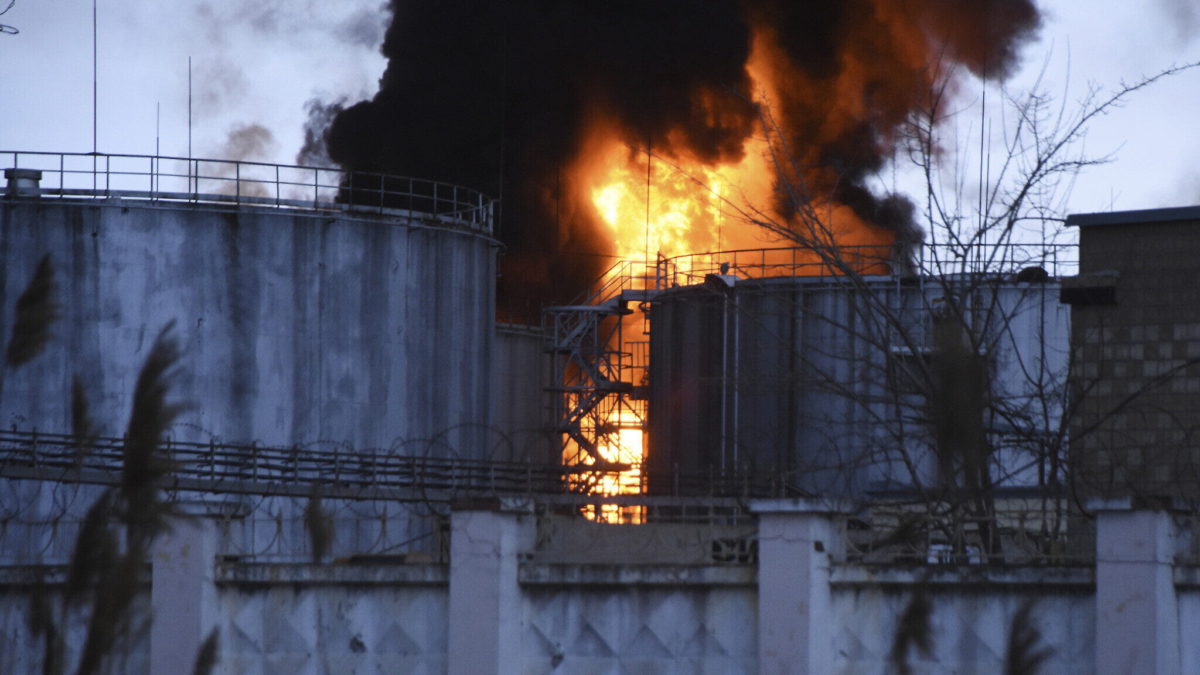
[(663, 202)]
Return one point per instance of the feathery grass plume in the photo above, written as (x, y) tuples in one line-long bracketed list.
[(98, 564), (54, 655), (913, 630), (143, 468), (1026, 653), (110, 618), (83, 429), (41, 624), (319, 525), (40, 616), (37, 309), (95, 554), (206, 658)]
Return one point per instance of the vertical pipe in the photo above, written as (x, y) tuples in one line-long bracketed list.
[(737, 348), (724, 377)]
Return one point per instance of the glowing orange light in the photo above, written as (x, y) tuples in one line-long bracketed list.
[(666, 204)]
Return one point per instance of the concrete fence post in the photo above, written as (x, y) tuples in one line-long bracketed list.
[(796, 539), (485, 597), (183, 596), (1137, 621)]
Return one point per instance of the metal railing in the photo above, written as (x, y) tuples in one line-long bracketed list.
[(255, 469), (399, 473), (798, 261), (192, 180)]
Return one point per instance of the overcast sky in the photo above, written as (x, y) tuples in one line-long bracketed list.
[(258, 62)]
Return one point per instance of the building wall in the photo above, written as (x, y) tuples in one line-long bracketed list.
[(582, 612), (1189, 616), (970, 621), (282, 619), (286, 624), (1136, 337), (638, 628)]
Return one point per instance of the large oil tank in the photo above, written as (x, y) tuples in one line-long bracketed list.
[(795, 384), (301, 320)]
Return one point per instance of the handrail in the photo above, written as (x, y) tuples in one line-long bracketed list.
[(799, 261), (195, 180)]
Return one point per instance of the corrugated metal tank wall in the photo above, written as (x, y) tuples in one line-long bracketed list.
[(297, 327), (789, 377), (520, 417)]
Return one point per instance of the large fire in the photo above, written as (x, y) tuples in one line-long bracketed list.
[(654, 204), (645, 122), (663, 203)]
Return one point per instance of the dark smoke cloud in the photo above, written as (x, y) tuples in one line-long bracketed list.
[(497, 95)]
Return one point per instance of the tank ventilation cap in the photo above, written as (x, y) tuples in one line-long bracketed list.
[(23, 181)]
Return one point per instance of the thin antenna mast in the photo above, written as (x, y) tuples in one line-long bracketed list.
[(189, 153), (95, 88), (95, 78), (157, 140), (982, 158)]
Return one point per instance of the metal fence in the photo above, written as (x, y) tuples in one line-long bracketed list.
[(192, 180)]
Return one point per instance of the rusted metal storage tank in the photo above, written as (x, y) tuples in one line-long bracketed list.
[(302, 320)]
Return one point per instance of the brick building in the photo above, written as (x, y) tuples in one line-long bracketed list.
[(1135, 342)]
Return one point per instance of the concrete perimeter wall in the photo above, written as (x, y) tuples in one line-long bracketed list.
[(514, 595)]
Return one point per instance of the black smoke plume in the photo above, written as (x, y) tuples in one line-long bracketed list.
[(497, 95)]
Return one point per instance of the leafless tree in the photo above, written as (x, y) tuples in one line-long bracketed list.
[(944, 394)]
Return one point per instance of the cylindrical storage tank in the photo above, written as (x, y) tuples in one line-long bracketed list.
[(520, 428), (297, 326), (741, 373), (799, 385)]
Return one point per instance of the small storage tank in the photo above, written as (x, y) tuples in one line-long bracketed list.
[(797, 384), (520, 428), (301, 320)]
